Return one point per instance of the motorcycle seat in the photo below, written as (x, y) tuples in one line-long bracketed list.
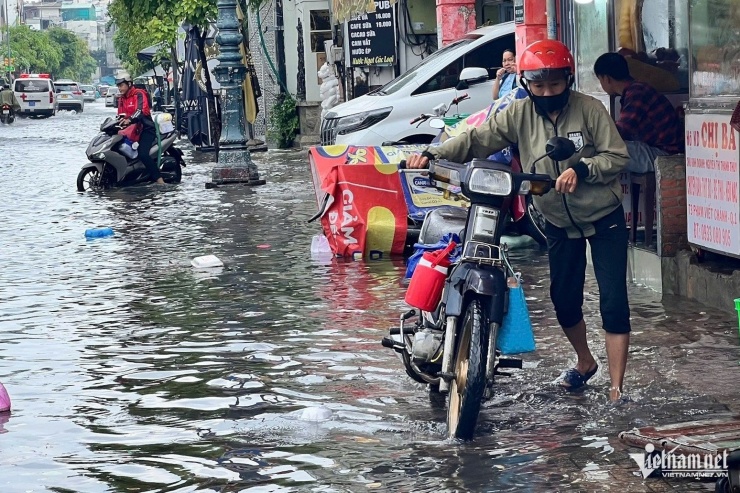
[(442, 221)]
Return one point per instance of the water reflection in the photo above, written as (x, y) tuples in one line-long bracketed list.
[(131, 371)]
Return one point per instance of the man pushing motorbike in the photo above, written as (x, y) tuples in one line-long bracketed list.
[(586, 204), (133, 104)]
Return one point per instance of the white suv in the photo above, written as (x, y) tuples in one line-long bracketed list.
[(384, 114), (70, 95), (35, 94)]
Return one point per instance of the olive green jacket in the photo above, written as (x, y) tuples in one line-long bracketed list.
[(587, 123), (7, 97)]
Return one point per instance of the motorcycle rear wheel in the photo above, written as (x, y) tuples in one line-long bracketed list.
[(468, 386)]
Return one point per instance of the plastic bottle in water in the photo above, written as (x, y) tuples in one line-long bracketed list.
[(98, 232), (320, 245)]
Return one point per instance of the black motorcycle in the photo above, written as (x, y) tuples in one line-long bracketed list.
[(453, 348), (110, 167), (7, 115)]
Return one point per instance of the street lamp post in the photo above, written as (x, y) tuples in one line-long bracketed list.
[(234, 160)]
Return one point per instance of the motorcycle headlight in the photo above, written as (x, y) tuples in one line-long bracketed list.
[(490, 181), (361, 121)]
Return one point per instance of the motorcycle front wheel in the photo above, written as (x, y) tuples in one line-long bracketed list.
[(535, 223), (468, 386), (89, 178)]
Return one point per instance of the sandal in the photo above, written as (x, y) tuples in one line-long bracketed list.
[(575, 380)]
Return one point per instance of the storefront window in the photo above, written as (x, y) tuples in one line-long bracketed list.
[(665, 32), (592, 39), (715, 47)]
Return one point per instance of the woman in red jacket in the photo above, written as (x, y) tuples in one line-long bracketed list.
[(133, 104)]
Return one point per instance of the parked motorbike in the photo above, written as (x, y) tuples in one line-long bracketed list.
[(453, 347), (7, 115), (110, 167)]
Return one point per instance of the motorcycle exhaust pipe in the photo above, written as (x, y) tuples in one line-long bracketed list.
[(447, 357)]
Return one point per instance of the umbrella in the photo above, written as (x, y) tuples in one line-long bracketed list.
[(195, 107)]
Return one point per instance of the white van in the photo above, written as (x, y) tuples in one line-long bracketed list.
[(384, 114), (35, 94)]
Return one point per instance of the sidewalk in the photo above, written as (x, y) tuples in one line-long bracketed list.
[(683, 366)]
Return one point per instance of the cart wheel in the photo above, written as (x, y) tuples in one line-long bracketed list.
[(722, 485)]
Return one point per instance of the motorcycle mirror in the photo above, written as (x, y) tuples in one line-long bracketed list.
[(557, 149), (560, 148), (437, 123)]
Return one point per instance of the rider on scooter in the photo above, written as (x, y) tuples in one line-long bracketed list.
[(587, 204), (133, 104), (7, 97)]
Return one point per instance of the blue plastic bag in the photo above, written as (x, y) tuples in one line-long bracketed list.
[(420, 249), (515, 335)]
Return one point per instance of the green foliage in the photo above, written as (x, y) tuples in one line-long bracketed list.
[(284, 121), (33, 50), (76, 63), (55, 51)]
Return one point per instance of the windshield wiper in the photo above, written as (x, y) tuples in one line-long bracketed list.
[(379, 92)]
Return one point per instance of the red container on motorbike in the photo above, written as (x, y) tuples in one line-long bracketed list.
[(428, 280)]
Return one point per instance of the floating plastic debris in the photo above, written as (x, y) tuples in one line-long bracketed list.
[(206, 262)]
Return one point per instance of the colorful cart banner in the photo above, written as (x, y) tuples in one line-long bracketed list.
[(364, 208)]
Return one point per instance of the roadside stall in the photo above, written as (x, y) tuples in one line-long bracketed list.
[(654, 37)]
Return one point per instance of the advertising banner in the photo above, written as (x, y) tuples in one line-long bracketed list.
[(712, 182), (364, 209)]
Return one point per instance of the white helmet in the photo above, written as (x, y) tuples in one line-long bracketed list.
[(123, 77)]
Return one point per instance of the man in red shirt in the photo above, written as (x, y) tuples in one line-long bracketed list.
[(648, 122), (133, 104)]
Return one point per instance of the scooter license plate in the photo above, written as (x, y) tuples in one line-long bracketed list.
[(6, 112)]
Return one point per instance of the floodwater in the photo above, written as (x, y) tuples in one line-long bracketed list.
[(130, 371)]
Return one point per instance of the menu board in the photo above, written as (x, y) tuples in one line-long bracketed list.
[(712, 183), (372, 37)]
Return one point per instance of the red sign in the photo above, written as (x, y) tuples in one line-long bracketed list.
[(365, 213)]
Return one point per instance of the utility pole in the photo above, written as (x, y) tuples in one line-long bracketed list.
[(7, 27)]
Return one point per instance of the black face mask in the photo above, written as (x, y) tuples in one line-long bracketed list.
[(551, 104)]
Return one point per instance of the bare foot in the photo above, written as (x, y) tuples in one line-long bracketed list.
[(159, 181), (615, 394)]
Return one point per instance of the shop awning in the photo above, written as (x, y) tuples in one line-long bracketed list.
[(157, 71), (148, 53)]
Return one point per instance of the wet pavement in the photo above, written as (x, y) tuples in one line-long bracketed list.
[(130, 371)]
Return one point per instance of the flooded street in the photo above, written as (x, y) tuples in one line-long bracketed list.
[(130, 371)]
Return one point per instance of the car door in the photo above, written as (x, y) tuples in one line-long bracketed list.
[(441, 86)]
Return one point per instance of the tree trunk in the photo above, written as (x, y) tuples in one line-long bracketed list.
[(214, 120)]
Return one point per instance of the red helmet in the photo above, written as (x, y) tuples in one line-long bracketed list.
[(546, 59)]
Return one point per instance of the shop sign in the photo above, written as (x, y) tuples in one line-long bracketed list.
[(372, 37), (712, 182), (519, 11)]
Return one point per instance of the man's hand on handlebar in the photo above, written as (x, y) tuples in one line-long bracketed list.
[(417, 161), (567, 181)]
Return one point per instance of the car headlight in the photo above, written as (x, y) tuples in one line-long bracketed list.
[(361, 121), (490, 181)]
